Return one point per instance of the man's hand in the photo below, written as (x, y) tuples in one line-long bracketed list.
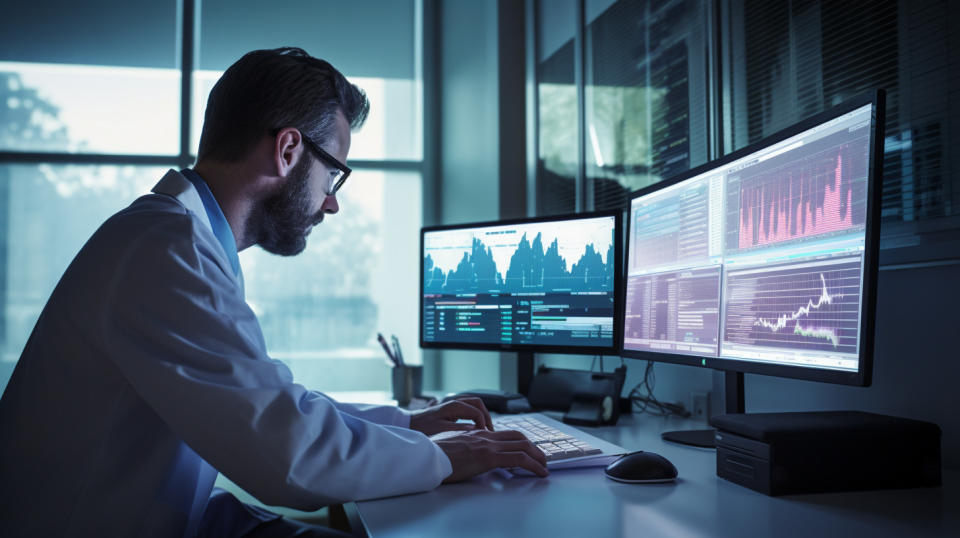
[(479, 451), (444, 417)]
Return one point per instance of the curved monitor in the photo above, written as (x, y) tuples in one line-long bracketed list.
[(764, 261), (546, 284)]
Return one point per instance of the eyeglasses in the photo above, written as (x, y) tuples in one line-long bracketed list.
[(342, 171)]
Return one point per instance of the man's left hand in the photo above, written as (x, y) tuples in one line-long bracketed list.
[(444, 417)]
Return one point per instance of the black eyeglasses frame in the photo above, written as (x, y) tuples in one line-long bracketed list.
[(323, 155)]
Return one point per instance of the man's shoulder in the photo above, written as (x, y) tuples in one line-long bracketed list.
[(156, 237), (151, 214), (151, 229), (154, 205)]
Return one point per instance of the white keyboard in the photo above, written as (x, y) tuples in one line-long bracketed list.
[(563, 445), (555, 444)]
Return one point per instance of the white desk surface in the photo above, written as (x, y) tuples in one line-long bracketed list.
[(583, 503)]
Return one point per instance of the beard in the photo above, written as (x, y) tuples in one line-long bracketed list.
[(282, 221)]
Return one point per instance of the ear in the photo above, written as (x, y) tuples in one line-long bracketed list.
[(288, 150)]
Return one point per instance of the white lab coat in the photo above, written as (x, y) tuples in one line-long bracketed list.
[(147, 373)]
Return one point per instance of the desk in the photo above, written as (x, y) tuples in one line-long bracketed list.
[(583, 503)]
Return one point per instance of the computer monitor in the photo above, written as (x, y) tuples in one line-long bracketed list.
[(764, 261), (548, 284)]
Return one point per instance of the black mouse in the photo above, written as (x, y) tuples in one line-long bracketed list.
[(641, 468)]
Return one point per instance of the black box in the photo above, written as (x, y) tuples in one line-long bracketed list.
[(589, 398), (816, 452)]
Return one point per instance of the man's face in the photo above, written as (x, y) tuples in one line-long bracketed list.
[(286, 218)]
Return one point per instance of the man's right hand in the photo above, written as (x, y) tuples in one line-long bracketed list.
[(478, 451)]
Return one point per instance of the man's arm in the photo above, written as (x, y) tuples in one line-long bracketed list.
[(381, 414), (479, 449), (434, 419)]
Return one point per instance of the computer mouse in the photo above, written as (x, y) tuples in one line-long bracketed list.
[(641, 468)]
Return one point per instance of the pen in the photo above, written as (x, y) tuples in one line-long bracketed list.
[(396, 349), (383, 343)]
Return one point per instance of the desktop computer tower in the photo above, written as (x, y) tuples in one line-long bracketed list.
[(818, 452)]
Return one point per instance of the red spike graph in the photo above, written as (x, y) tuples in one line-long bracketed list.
[(775, 209)]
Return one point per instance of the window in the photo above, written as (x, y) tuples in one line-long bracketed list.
[(321, 310), (87, 125), (62, 90), (50, 211)]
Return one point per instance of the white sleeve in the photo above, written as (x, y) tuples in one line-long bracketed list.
[(182, 335), (389, 415)]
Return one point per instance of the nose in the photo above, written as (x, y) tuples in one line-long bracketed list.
[(330, 204)]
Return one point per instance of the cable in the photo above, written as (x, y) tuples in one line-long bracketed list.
[(643, 401)]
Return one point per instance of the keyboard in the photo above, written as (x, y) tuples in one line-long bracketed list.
[(563, 445), (555, 444)]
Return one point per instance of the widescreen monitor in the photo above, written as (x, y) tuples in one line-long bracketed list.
[(764, 261), (547, 284)]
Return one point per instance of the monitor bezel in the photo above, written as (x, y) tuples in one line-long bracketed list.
[(864, 373), (613, 349)]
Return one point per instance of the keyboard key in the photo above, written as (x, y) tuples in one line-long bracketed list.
[(555, 444)]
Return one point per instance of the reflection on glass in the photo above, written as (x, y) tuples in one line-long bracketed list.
[(358, 276), (557, 162), (556, 107), (645, 113), (794, 60), (392, 130), (50, 212), (89, 109), (558, 137), (619, 136)]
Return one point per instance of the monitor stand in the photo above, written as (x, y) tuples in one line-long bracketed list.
[(733, 403), (525, 371)]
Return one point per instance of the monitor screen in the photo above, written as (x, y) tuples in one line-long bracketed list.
[(760, 260), (545, 284)]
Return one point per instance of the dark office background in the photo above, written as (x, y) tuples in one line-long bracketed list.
[(660, 87), (491, 109)]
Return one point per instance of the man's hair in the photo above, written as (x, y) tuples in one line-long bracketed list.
[(271, 89)]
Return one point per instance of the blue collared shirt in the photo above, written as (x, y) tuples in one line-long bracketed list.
[(221, 228)]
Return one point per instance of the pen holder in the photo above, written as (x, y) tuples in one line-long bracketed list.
[(407, 383)]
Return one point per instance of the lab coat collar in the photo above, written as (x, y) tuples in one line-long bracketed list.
[(175, 184)]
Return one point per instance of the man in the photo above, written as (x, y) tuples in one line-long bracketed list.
[(147, 373)]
